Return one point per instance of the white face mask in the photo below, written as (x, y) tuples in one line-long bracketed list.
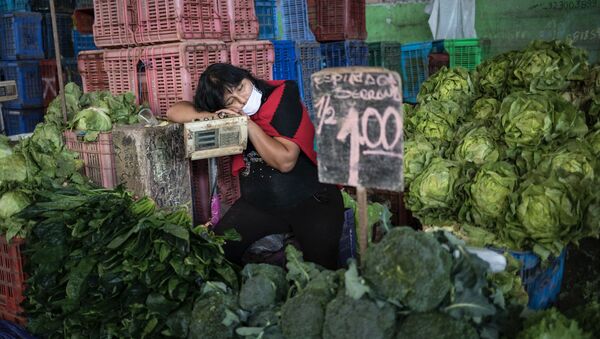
[(253, 103)]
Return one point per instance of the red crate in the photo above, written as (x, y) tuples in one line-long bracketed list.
[(12, 280), (121, 66), (340, 20), (172, 70), (83, 20), (256, 56), (49, 80), (177, 20), (229, 185), (98, 157), (200, 191), (437, 61), (90, 65), (238, 19), (114, 23)]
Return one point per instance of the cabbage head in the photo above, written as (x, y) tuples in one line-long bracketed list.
[(13, 202), (573, 164), (452, 84), (491, 76), (436, 120), (485, 109), (547, 213), (489, 193), (418, 152), (526, 119), (549, 66), (551, 324), (12, 165), (477, 146), (93, 119), (434, 194)]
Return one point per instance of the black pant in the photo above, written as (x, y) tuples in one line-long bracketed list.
[(316, 224)]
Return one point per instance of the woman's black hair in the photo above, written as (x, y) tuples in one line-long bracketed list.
[(220, 78)]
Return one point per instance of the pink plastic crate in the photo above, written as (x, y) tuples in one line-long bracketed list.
[(98, 157), (229, 186), (172, 70), (177, 20), (114, 22), (121, 66), (256, 56), (238, 18), (90, 65), (12, 280)]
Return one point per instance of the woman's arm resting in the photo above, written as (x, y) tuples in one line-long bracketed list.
[(279, 153), (184, 111)]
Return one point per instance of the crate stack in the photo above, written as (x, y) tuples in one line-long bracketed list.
[(298, 55), (158, 49), (20, 54), (340, 27)]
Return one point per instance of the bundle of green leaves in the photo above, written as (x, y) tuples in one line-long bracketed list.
[(103, 265)]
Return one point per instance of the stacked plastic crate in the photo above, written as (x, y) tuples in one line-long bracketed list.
[(158, 49), (298, 55), (20, 53), (340, 27)]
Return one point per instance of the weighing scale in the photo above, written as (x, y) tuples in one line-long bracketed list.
[(209, 139)]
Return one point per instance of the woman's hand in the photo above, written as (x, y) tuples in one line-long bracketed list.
[(184, 111), (226, 113)]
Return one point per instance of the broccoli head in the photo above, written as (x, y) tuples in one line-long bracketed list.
[(263, 285), (435, 325), (409, 267), (214, 316), (346, 317), (551, 324)]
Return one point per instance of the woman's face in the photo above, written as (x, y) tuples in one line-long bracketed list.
[(237, 97)]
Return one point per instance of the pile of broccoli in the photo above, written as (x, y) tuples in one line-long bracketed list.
[(410, 285)]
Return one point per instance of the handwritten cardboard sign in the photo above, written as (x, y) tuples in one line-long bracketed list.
[(359, 127)]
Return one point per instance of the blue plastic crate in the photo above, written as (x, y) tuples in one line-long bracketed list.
[(345, 53), (295, 21), (415, 68), (19, 121), (84, 3), (542, 281), (64, 26), (266, 12), (7, 6), (61, 6), (82, 42), (21, 36), (285, 66), (29, 82), (310, 61), (348, 244)]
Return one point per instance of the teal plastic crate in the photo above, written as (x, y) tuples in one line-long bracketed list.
[(7, 6), (415, 68), (386, 54)]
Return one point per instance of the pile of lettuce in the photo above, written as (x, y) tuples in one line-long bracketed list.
[(508, 154), (43, 159), (94, 112)]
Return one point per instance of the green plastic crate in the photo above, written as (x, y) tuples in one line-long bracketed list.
[(464, 52), (385, 54)]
